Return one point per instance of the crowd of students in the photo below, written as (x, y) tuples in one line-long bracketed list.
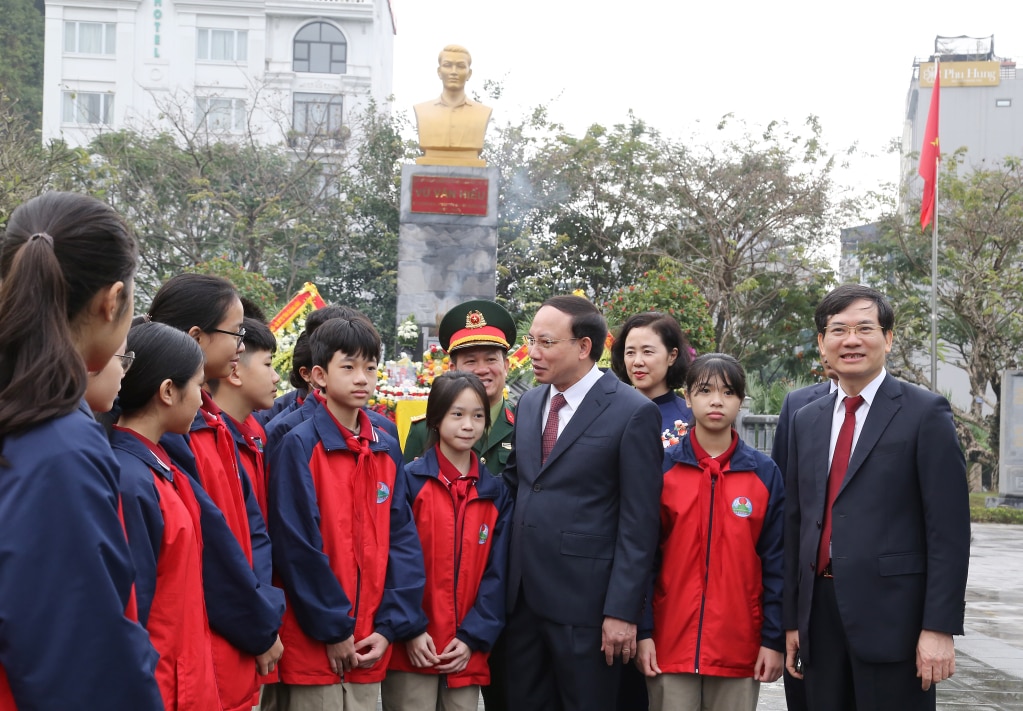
[(138, 568)]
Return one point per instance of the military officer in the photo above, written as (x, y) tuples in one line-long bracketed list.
[(477, 335)]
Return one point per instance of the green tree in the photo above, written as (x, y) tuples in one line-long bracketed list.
[(21, 57), (27, 167), (980, 292), (665, 289), (749, 219)]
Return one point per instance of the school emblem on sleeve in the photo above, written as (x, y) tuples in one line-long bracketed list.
[(484, 534), (742, 507), (382, 492)]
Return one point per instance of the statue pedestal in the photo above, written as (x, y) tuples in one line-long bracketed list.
[(447, 242)]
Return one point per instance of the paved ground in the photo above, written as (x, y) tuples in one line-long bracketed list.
[(989, 659)]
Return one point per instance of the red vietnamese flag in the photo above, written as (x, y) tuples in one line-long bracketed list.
[(929, 154)]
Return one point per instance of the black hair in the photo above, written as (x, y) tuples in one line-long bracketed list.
[(716, 365), (355, 337), (670, 333), (301, 357), (841, 297), (188, 300), (258, 336), (445, 390), (58, 251), (252, 310), (320, 316), (587, 321), (161, 353)]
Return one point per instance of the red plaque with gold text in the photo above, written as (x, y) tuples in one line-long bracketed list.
[(449, 196)]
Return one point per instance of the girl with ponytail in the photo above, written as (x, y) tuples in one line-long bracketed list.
[(67, 264)]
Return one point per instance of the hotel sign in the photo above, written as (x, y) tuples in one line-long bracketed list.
[(962, 74)]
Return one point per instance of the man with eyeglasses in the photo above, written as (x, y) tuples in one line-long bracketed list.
[(585, 470), (877, 531)]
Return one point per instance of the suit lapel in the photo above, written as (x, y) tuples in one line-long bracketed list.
[(821, 432), (882, 410), (529, 434), (596, 400)]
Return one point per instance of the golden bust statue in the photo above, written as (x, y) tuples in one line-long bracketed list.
[(451, 127)]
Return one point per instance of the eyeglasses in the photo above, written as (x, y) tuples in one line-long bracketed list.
[(240, 335), (127, 358), (862, 330), (544, 343)]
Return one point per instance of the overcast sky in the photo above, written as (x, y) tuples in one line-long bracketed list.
[(680, 66)]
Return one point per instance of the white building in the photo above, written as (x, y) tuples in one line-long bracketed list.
[(277, 68)]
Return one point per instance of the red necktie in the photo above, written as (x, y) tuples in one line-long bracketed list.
[(839, 466), (550, 430)]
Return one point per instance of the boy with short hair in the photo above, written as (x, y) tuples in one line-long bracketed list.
[(345, 545), (251, 386)]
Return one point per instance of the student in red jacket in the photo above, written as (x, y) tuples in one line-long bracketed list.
[(67, 267), (715, 630), (162, 515), (345, 544), (246, 646), (251, 386), (461, 514)]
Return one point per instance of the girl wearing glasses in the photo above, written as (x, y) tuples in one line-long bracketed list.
[(162, 512), (101, 390), (67, 264), (245, 646)]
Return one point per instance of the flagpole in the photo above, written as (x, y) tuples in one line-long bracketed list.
[(934, 254), (934, 287)]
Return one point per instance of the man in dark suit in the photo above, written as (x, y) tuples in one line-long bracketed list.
[(795, 692), (877, 536), (585, 469)]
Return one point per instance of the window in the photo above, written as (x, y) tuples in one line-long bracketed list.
[(220, 115), (90, 37), (88, 107), (318, 114), (223, 45), (1003, 103), (320, 48)]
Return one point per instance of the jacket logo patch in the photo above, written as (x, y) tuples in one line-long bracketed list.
[(484, 534), (382, 492), (742, 507)]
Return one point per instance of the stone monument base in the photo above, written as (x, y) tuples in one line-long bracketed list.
[(447, 242)]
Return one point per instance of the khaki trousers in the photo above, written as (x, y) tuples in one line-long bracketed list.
[(696, 692), (408, 691), (328, 697)]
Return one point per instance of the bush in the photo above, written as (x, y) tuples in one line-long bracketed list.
[(665, 289), (1001, 514)]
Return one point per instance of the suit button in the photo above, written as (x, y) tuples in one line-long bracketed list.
[(818, 524), (813, 566), (537, 487)]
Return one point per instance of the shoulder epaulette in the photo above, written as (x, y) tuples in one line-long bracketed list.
[(417, 418)]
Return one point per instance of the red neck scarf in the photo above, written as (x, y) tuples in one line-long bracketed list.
[(459, 485)]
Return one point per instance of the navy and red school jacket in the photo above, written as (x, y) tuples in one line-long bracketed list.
[(250, 441), (161, 515), (345, 548), (465, 564), (718, 591), (67, 575), (287, 402), (210, 456), (284, 423)]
